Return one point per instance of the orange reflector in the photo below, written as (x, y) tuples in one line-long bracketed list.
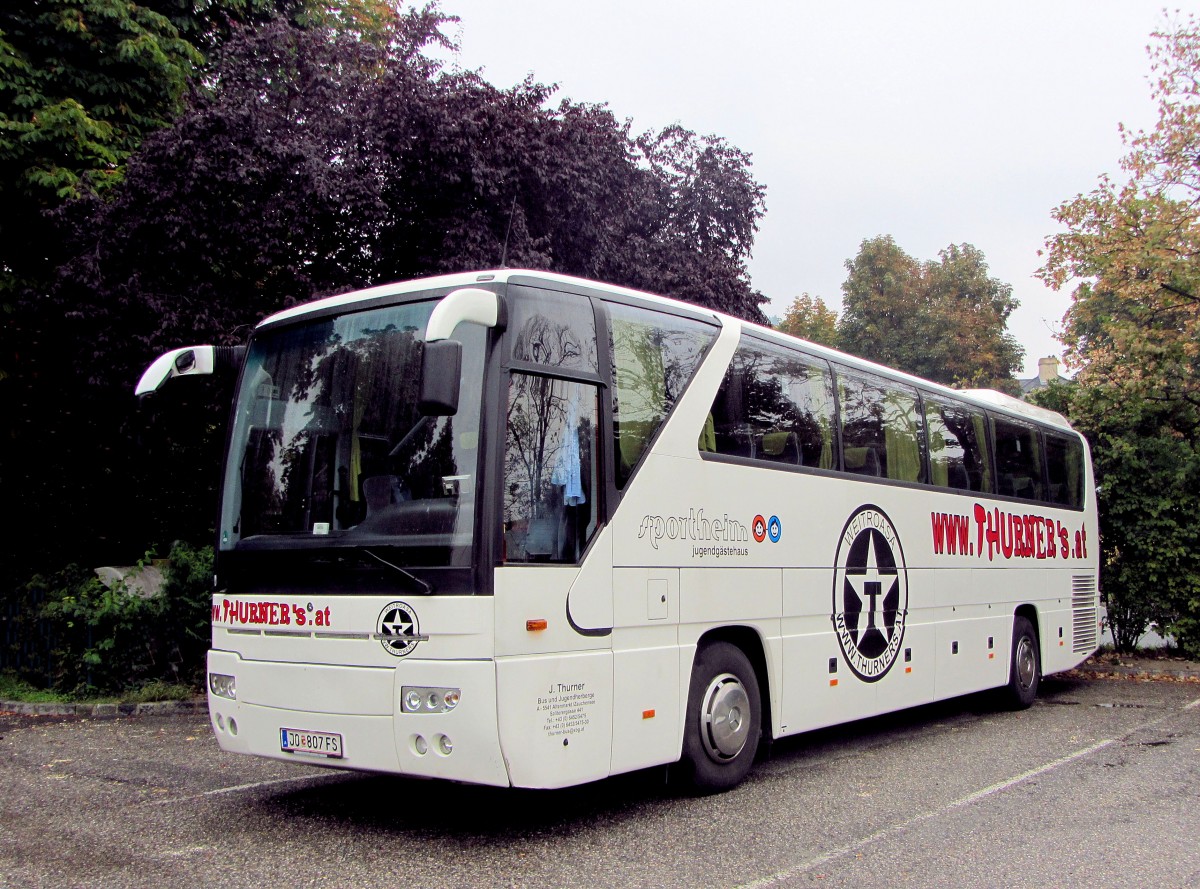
[(991, 655), (832, 683), (647, 714), (908, 669), (1061, 643), (535, 624)]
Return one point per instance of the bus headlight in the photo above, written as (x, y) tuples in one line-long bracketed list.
[(222, 685), (428, 699)]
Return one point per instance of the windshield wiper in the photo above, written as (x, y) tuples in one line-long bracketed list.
[(422, 587), (417, 427)]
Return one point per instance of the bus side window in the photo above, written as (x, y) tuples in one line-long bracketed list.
[(775, 405), (654, 356), (882, 428), (1018, 460), (551, 474), (958, 456), (1064, 467)]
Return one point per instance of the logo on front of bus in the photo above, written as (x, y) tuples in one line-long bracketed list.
[(870, 593), (397, 628)]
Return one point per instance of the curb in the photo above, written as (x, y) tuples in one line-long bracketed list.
[(1144, 673), (106, 711)]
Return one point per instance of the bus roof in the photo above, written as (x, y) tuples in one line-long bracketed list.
[(987, 398)]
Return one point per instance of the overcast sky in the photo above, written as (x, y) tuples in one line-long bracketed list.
[(934, 122)]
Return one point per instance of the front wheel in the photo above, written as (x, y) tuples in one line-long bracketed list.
[(1025, 667), (724, 719)]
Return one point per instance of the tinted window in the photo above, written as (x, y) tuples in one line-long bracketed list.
[(550, 469), (1064, 467), (774, 405), (1018, 460), (958, 454), (552, 329), (653, 357), (881, 428)]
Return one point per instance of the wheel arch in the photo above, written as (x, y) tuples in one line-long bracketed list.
[(751, 643), (1030, 613)]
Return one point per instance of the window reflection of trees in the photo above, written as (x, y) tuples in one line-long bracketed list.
[(785, 395), (957, 455), (333, 406), (549, 468), (881, 429), (653, 359)]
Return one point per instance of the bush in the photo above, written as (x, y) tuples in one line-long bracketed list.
[(90, 638)]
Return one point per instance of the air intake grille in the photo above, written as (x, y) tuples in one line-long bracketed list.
[(1084, 628)]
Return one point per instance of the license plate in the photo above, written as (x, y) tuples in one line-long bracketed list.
[(293, 740)]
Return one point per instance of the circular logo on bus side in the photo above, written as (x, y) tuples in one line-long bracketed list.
[(397, 628), (870, 593)]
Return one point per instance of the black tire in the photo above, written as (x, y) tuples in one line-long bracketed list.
[(1024, 667), (723, 721)]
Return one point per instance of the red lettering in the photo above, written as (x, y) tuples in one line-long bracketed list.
[(285, 614), (1084, 533), (300, 616), (939, 532), (328, 622), (1049, 528), (1006, 542), (1063, 541)]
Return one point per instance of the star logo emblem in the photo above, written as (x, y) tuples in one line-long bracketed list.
[(397, 628), (870, 593)]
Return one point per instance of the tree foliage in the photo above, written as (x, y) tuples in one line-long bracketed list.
[(943, 319), (1130, 249), (809, 318), (83, 82), (310, 161)]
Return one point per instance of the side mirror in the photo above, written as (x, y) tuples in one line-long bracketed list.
[(441, 365), (190, 361)]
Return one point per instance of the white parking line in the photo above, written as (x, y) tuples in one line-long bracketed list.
[(238, 788), (842, 851)]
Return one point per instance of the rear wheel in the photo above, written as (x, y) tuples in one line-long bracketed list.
[(724, 719), (1025, 667)]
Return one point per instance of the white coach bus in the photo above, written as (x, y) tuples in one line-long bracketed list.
[(516, 528)]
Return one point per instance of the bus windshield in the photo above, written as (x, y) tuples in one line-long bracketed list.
[(329, 452)]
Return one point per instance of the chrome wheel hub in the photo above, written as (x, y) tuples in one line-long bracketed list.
[(1025, 662), (725, 718)]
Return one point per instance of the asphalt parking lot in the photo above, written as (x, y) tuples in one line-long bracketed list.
[(1097, 785)]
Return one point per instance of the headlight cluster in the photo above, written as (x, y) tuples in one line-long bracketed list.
[(222, 685), (428, 699)]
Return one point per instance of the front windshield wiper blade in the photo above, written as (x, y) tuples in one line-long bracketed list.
[(417, 427), (422, 587)]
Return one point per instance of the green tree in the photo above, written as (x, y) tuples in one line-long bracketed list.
[(81, 84), (945, 319), (810, 319), (310, 161), (1130, 250)]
